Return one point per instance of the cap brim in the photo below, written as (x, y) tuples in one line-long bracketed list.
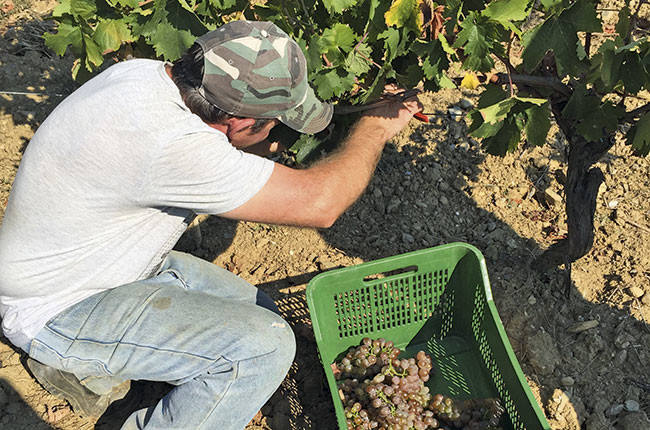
[(310, 117)]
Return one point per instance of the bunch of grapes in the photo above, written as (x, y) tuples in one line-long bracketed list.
[(381, 391)]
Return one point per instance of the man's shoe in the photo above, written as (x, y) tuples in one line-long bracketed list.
[(66, 386)]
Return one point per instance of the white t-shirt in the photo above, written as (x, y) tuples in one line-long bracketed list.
[(106, 188)]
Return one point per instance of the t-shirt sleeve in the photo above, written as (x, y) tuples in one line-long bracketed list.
[(204, 173)]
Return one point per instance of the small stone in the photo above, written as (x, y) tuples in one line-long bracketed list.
[(512, 243), (636, 292), (582, 326), (491, 226), (466, 104), (612, 204), (552, 198), (567, 381), (443, 200), (456, 113), (632, 405), (532, 300), (407, 238), (421, 205), (614, 410)]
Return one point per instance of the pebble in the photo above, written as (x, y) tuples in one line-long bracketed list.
[(421, 205), (552, 198), (407, 238), (632, 405), (567, 381), (532, 300), (582, 326), (466, 104), (612, 204), (456, 113), (443, 200), (614, 410), (491, 226), (636, 292)]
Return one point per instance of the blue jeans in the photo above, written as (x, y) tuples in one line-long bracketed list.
[(195, 325)]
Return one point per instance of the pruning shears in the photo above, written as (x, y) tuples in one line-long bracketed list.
[(385, 98)]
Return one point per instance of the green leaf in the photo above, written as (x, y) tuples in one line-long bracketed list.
[(404, 13), (493, 94), (67, 34), (391, 44), (639, 135), (559, 33), (62, 8), (340, 36), (83, 8), (538, 123), (480, 128), (476, 39), (330, 84), (500, 110), (623, 24), (94, 53), (579, 103), (505, 11), (304, 146), (604, 119), (358, 60), (111, 33), (505, 140), (171, 29), (338, 6), (170, 42)]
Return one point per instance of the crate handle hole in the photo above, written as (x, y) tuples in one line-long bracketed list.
[(382, 275)]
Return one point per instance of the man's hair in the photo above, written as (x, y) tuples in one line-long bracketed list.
[(187, 74)]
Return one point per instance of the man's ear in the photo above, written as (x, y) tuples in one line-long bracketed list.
[(236, 125)]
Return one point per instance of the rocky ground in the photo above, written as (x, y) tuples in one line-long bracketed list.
[(583, 344)]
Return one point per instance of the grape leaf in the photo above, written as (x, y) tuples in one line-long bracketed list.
[(506, 138), (111, 33), (559, 33), (391, 44), (340, 36), (639, 135), (338, 6), (172, 29), (358, 60), (93, 52), (67, 34), (476, 39), (498, 111), (170, 42), (623, 24), (83, 8), (330, 84), (538, 123), (480, 128), (304, 146), (404, 13), (61, 8), (506, 11), (604, 119)]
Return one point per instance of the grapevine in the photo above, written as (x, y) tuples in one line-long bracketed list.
[(535, 61), (382, 391)]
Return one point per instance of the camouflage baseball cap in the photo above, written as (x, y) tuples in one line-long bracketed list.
[(254, 69)]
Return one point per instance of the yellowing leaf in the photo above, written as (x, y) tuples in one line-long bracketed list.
[(404, 13), (470, 81)]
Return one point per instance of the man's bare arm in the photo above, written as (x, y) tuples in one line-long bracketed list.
[(317, 196)]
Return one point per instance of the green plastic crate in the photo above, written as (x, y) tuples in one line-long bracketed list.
[(437, 300)]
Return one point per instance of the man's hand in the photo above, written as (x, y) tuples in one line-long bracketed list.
[(392, 117)]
